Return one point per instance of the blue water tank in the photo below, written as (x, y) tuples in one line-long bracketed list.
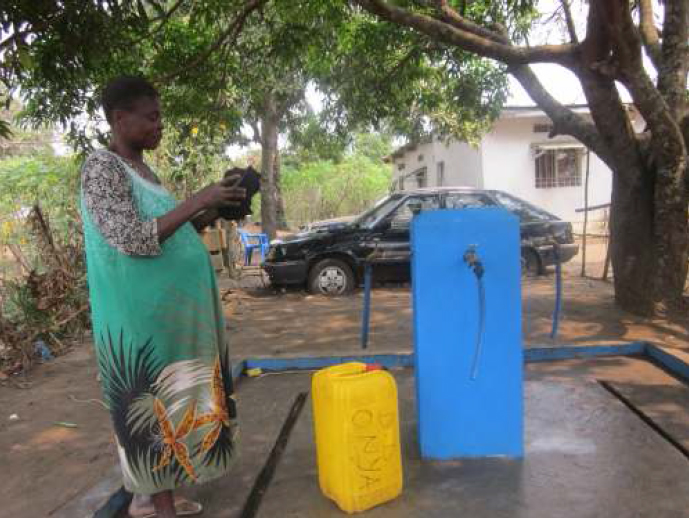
[(467, 333)]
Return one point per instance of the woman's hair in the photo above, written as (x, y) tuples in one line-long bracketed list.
[(122, 92)]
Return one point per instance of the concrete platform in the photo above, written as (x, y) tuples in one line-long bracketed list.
[(587, 453)]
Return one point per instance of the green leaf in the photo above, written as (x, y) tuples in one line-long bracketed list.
[(5, 131), (25, 57)]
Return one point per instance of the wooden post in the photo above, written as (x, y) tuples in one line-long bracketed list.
[(586, 214), (233, 250), (607, 251)]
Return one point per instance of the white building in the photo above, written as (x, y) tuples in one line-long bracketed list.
[(518, 157)]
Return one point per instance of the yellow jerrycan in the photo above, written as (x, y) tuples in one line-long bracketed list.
[(357, 435)]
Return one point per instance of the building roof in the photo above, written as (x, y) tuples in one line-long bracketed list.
[(508, 112)]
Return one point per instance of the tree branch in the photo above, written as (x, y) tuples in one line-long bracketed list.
[(414, 52), (163, 22), (229, 35), (565, 121), (649, 33), (603, 97), (571, 27), (449, 15), (626, 50), (469, 41), (165, 17)]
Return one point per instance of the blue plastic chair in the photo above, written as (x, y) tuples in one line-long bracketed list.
[(251, 242)]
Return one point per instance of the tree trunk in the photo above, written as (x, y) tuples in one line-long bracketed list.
[(281, 217), (269, 151), (631, 240), (671, 234), (648, 243)]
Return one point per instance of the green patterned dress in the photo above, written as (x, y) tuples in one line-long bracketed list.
[(158, 329)]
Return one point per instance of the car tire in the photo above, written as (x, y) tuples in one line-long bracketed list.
[(531, 264), (331, 277)]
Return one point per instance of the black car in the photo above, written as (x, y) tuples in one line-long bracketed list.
[(331, 261)]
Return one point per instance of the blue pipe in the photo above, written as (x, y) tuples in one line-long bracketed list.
[(558, 293), (366, 316), (481, 326)]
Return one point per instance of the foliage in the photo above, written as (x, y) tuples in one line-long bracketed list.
[(49, 181), (45, 296), (17, 140), (50, 49), (213, 70), (234, 64), (310, 140), (189, 158), (324, 189), (317, 187), (377, 73)]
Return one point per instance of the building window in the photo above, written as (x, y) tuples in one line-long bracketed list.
[(441, 174), (542, 128), (558, 168), (420, 158), (400, 167)]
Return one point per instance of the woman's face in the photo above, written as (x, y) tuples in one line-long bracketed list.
[(142, 126)]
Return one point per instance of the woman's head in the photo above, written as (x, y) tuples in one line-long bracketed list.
[(132, 109)]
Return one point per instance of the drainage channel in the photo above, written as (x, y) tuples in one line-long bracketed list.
[(264, 478), (645, 418)]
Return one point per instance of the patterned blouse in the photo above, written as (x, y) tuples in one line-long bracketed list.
[(107, 194)]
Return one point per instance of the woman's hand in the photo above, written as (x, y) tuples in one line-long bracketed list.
[(221, 194), (207, 200)]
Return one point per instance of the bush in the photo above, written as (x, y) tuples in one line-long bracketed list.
[(324, 189), (44, 297)]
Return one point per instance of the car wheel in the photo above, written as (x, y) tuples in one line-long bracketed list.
[(531, 264), (331, 277)]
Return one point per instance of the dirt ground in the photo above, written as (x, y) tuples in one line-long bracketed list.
[(265, 323), (55, 435)]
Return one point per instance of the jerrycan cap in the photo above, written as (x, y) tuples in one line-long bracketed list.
[(373, 367)]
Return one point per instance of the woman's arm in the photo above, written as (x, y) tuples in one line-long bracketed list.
[(204, 219), (107, 194), (208, 200)]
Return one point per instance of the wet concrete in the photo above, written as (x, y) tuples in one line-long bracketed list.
[(587, 455)]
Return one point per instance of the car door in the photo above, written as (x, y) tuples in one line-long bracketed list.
[(392, 238)]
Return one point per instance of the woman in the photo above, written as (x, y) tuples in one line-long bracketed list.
[(158, 325)]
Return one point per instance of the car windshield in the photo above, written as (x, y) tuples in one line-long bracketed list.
[(381, 208), (527, 213)]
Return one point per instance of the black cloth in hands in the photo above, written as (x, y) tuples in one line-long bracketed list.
[(251, 181)]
